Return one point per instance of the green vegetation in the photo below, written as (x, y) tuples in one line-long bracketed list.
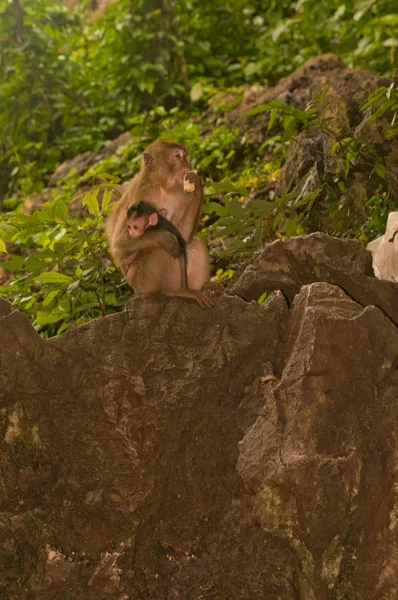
[(70, 79)]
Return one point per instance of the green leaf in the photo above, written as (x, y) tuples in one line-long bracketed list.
[(7, 231), (50, 297), (214, 207), (235, 208), (259, 208), (15, 264), (109, 178), (2, 246), (63, 328), (228, 186), (59, 211), (54, 277), (262, 108), (233, 227), (374, 96), (107, 195), (35, 264), (90, 200), (291, 227), (273, 116), (84, 307), (45, 317), (380, 169), (289, 125)]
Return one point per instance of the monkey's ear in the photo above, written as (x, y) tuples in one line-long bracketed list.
[(148, 159), (153, 219)]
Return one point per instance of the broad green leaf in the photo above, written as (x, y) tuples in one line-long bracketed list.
[(214, 207), (59, 211), (63, 328), (45, 215), (44, 317), (54, 277), (262, 108), (261, 208), (232, 228), (235, 208), (59, 248), (228, 186), (50, 297), (380, 169), (15, 264), (2, 246), (84, 307), (225, 221), (35, 264), (277, 220), (289, 125), (90, 200), (291, 227), (7, 231), (109, 178), (107, 195)]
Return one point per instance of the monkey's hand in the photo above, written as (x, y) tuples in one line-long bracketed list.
[(170, 243), (191, 181), (126, 263)]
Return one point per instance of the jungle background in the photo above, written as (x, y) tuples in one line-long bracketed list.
[(76, 75)]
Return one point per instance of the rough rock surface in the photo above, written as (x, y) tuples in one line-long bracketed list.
[(171, 452), (316, 257)]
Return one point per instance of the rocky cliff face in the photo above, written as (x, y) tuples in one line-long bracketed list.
[(172, 452)]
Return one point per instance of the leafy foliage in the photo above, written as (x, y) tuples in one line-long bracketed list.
[(67, 279), (75, 81), (70, 79)]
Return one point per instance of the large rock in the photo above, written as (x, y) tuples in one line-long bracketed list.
[(168, 451), (300, 260)]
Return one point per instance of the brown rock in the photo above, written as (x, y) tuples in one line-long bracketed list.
[(300, 260), (239, 452), (78, 165), (111, 146), (5, 308)]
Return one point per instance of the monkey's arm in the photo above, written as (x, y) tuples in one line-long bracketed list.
[(151, 238), (196, 199)]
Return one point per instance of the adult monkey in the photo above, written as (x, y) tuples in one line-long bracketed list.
[(149, 262)]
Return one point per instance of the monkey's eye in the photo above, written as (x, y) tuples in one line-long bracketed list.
[(135, 227)]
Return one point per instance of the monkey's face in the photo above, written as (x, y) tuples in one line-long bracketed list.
[(178, 162), (136, 226), (168, 161)]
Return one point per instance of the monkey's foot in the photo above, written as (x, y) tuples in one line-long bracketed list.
[(203, 300), (200, 298)]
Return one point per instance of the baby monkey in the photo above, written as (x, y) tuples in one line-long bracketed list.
[(143, 216)]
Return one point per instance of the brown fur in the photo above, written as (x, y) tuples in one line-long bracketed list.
[(150, 262)]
